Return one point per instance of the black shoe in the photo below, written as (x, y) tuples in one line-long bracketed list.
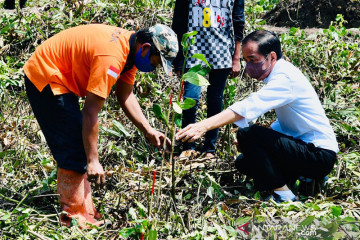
[(311, 187)]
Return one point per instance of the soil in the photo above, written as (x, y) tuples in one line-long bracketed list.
[(314, 13)]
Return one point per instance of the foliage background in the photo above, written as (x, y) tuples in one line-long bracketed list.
[(212, 200)]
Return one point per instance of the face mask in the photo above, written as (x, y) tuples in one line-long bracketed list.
[(143, 63), (255, 69)]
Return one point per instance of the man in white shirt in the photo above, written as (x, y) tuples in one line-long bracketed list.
[(300, 142)]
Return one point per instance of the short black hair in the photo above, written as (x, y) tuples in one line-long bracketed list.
[(267, 42), (145, 36)]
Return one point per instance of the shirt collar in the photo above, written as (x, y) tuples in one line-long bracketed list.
[(273, 71)]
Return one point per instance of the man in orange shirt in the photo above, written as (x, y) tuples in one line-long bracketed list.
[(86, 61)]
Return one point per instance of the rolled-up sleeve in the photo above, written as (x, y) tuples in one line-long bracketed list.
[(238, 19), (275, 94)]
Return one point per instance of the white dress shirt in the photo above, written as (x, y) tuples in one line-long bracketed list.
[(296, 104)]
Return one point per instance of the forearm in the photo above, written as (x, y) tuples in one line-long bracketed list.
[(90, 133), (133, 111), (224, 118), (237, 52)]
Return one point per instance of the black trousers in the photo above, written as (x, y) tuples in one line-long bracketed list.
[(60, 120), (10, 4), (273, 159)]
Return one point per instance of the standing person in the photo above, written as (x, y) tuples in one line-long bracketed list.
[(220, 25), (86, 61), (300, 142)]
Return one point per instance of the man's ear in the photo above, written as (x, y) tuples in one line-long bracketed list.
[(145, 48), (273, 56)]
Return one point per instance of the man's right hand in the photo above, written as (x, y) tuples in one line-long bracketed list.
[(96, 174)]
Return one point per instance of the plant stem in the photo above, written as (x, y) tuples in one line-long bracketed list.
[(163, 154), (172, 160)]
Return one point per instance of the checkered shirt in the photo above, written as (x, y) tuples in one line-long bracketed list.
[(215, 40)]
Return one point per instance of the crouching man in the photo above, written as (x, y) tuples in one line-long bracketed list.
[(300, 142), (86, 61)]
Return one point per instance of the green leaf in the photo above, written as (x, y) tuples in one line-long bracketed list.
[(195, 79), (159, 114), (331, 229), (292, 31), (178, 120), (186, 36), (200, 70), (177, 108), (188, 196), (195, 68), (307, 221), (74, 222), (347, 219), (45, 161), (5, 217), (142, 209), (127, 232), (110, 132), (257, 196), (120, 128), (152, 234), (163, 19), (201, 57), (188, 103), (336, 211)]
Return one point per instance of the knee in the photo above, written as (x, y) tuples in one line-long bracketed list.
[(241, 164), (245, 134), (242, 136)]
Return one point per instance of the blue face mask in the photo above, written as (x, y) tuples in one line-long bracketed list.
[(143, 63)]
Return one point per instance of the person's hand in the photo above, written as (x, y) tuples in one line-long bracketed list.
[(156, 138), (95, 173), (235, 68), (192, 132)]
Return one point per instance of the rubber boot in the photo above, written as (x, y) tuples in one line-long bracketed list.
[(89, 204), (71, 189)]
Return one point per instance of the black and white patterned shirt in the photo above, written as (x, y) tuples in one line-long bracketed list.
[(218, 22), (212, 19)]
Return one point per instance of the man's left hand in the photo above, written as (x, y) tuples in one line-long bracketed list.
[(191, 132), (235, 68), (156, 138)]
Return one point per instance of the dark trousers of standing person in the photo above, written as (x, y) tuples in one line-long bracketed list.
[(214, 96), (273, 159), (10, 4)]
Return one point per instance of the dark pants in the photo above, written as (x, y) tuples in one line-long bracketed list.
[(60, 120), (273, 159), (10, 4), (214, 96)]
